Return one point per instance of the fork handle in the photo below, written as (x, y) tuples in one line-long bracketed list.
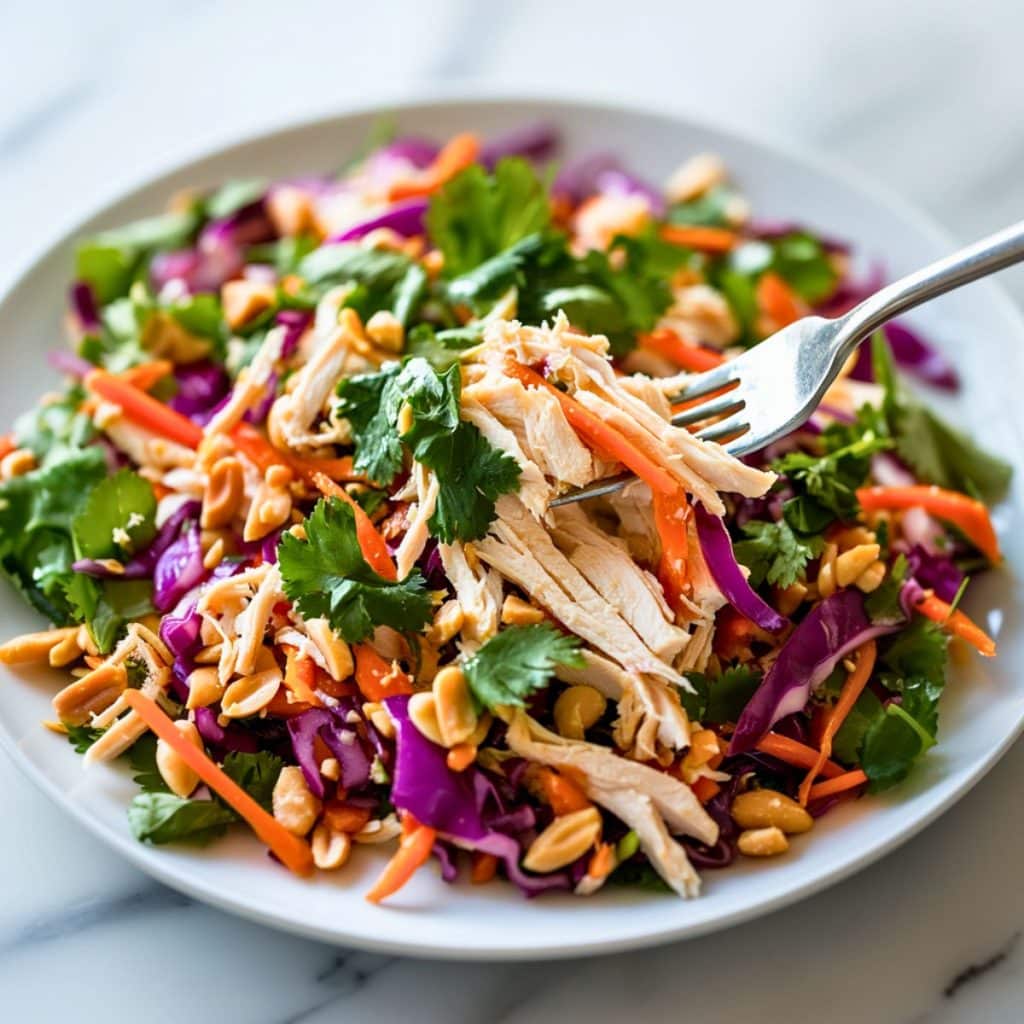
[(996, 252)]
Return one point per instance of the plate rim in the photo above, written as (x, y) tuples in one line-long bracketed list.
[(405, 100)]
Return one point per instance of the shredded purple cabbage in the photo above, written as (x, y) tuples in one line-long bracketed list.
[(831, 630), (68, 362), (404, 218), (201, 386), (537, 141), (178, 569), (341, 739), (602, 173), (85, 307), (716, 547), (229, 738)]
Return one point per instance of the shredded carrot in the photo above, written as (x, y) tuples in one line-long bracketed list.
[(7, 445), (839, 784), (485, 867), (608, 442), (852, 689), (602, 863), (373, 545), (561, 792), (342, 817), (704, 789), (456, 155), (413, 851), (777, 301), (968, 515), (957, 623), (281, 706), (461, 756), (796, 753), (143, 409), (666, 343), (377, 678), (671, 515), (146, 375), (734, 634), (707, 239), (258, 450), (300, 677), (293, 852)]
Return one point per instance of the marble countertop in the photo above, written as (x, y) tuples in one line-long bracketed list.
[(925, 97)]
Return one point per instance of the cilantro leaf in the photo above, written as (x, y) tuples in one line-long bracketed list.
[(847, 742), (802, 262), (142, 759), (381, 279), (255, 773), (52, 430), (517, 662), (471, 473), (230, 197), (722, 698), (487, 280), (709, 210), (921, 650), (442, 348), (165, 818), (936, 451), (118, 517), (883, 605), (901, 734), (82, 737), (476, 216), (327, 576), (774, 553), (831, 480)]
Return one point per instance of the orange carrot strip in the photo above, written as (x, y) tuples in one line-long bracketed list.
[(608, 442), (293, 852), (258, 450), (777, 300), (281, 706), (602, 862), (143, 409), (7, 445), (957, 623), (840, 784), (373, 545), (967, 514), (852, 689), (666, 343), (300, 677), (561, 792), (145, 375), (796, 753), (456, 155), (696, 237), (377, 678), (413, 851), (485, 867), (704, 789), (671, 515)]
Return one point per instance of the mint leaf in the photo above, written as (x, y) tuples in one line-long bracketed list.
[(517, 662), (326, 576), (165, 818), (774, 553)]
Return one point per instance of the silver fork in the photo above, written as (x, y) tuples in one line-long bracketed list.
[(775, 386)]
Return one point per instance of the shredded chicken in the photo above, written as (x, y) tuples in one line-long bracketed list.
[(417, 533), (652, 803), (251, 385), (478, 592)]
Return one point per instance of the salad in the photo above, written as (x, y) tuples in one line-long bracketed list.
[(289, 517)]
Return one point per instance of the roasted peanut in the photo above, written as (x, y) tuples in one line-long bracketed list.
[(17, 463), (447, 623), (294, 805), (337, 655), (223, 493), (34, 647), (761, 808), (214, 554), (93, 693), (180, 778), (577, 709), (827, 571), (271, 505), (566, 839), (695, 177), (790, 598), (763, 842), (204, 686), (456, 717), (850, 565), (517, 612), (65, 651), (871, 578), (330, 849), (250, 694), (385, 330), (423, 714), (243, 300)]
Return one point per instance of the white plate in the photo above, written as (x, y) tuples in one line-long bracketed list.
[(981, 715)]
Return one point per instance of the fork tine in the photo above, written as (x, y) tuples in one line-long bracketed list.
[(730, 428), (724, 406), (710, 380)]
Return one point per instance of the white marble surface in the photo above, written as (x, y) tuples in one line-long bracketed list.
[(926, 97)]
